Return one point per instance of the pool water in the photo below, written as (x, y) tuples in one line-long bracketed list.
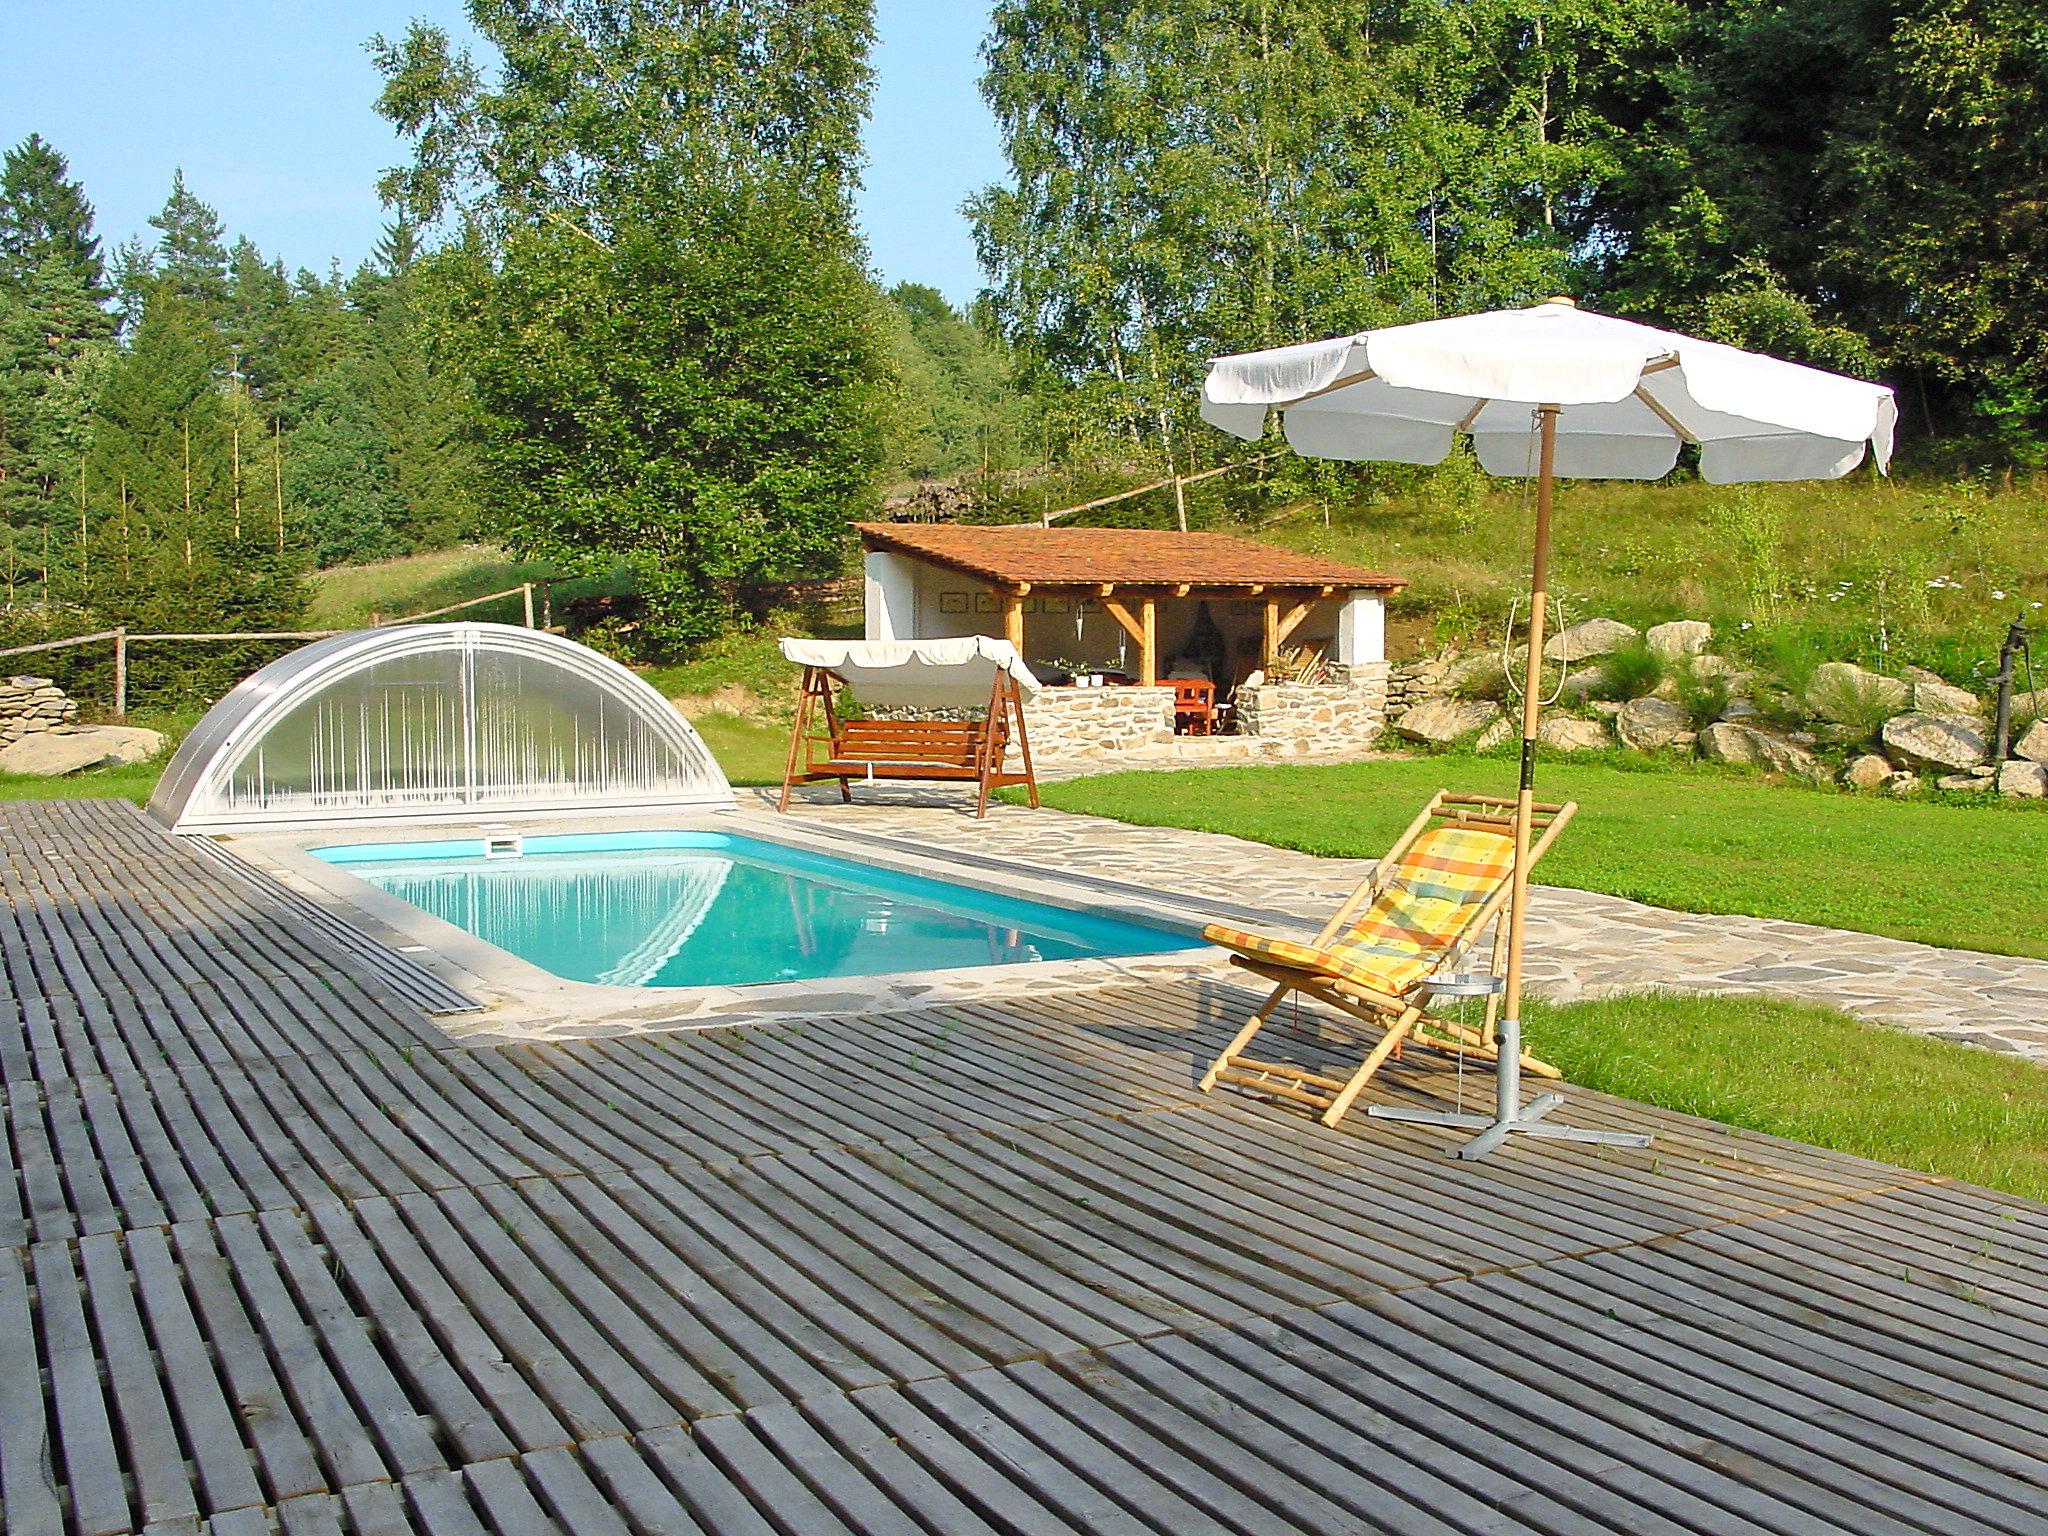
[(698, 909)]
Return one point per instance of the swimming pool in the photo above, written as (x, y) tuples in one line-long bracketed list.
[(697, 909)]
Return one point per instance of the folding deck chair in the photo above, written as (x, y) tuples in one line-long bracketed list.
[(1446, 877)]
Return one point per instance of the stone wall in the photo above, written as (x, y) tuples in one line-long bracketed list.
[(32, 704), (1070, 722), (1345, 714)]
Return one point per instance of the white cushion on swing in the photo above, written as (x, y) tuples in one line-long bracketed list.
[(957, 673)]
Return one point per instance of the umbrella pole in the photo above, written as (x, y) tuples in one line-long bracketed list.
[(1510, 1114)]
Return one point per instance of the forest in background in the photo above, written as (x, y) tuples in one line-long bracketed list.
[(622, 316)]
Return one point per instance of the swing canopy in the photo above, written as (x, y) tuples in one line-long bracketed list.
[(917, 674)]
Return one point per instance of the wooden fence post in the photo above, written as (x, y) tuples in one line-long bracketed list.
[(121, 672), (526, 592)]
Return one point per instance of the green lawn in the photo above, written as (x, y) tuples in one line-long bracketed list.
[(133, 783), (750, 751), (1970, 876), (1815, 1076)]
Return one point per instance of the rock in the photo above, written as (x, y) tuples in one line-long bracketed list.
[(1707, 664), (1739, 709), (1446, 720), (1935, 695), (1501, 730), (1650, 725), (1593, 637), (1931, 743), (2023, 780), (1867, 771), (1727, 742), (1681, 637), (1607, 708), (2033, 745), (1903, 784), (1566, 733), (1963, 781), (1840, 689), (50, 753), (1581, 685)]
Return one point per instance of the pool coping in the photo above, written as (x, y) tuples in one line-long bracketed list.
[(522, 1001)]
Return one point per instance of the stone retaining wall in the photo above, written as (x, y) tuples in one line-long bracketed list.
[(31, 704), (1347, 713)]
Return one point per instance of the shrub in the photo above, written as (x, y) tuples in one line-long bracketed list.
[(1703, 696), (1631, 671), (1855, 708)]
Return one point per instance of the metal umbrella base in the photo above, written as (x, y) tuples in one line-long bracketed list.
[(1513, 1117)]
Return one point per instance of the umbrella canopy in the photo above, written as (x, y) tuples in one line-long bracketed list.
[(1545, 392), (1630, 396)]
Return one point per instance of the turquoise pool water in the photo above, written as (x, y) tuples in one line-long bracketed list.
[(697, 909)]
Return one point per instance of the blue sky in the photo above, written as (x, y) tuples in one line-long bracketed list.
[(266, 104)]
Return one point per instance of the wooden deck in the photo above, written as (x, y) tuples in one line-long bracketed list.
[(281, 1257)]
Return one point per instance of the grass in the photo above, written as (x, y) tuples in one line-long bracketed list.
[(750, 751), (1813, 1075), (345, 596), (1924, 570), (1967, 876), (135, 782)]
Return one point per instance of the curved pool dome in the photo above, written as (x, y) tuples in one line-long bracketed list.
[(435, 722)]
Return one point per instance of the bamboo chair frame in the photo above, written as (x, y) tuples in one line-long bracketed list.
[(1401, 1017)]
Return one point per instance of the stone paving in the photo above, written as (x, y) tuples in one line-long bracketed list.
[(1581, 944)]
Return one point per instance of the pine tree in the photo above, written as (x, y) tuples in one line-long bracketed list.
[(189, 253), (44, 216)]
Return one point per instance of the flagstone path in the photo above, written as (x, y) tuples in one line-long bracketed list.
[(1581, 944)]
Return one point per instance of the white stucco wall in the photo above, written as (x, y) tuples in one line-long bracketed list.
[(890, 601), (1362, 630)]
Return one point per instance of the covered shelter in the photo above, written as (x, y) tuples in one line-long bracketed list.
[(1141, 605), (946, 710)]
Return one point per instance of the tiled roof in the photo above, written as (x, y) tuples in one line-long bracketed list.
[(1137, 557)]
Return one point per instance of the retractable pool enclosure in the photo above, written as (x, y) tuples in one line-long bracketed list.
[(440, 722)]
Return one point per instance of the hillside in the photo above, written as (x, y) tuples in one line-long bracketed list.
[(1885, 572)]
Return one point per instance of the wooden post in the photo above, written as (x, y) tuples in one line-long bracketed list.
[(1269, 648), (1148, 646), (526, 596), (120, 672), (547, 603), (1013, 618)]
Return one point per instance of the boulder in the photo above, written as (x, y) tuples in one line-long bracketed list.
[(1867, 771), (1650, 725), (2033, 743), (1739, 709), (1964, 782), (1707, 664), (1931, 743), (1501, 730), (2023, 780), (1446, 720), (1727, 742), (1681, 637), (51, 753), (1935, 695), (1839, 687), (1593, 637), (1903, 784), (1567, 733)]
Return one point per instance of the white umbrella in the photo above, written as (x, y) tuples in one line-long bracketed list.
[(1550, 391)]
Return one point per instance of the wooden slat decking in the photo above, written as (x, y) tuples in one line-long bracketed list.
[(279, 1256)]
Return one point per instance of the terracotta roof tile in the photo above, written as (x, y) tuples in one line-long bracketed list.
[(1051, 557)]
